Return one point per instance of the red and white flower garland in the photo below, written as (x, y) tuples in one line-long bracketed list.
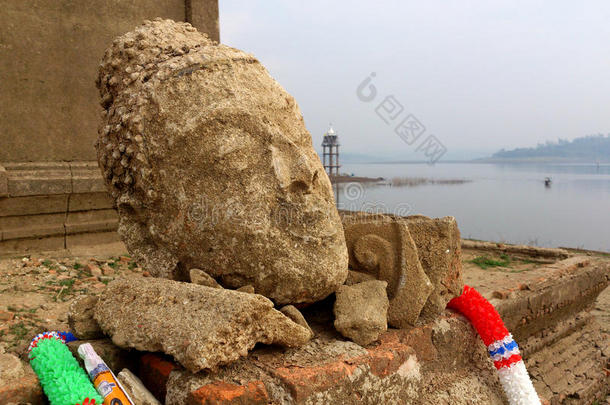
[(500, 344)]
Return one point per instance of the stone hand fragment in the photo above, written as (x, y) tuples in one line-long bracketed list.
[(201, 327)]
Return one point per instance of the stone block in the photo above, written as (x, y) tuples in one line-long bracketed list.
[(92, 239), (33, 205), (361, 311), (439, 250), (203, 14), (86, 177), (23, 246), (38, 178), (91, 201), (56, 115), (32, 226), (382, 247), (91, 221)]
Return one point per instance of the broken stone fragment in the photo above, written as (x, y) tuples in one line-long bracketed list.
[(211, 166), (135, 389), (381, 247), (80, 318), (246, 289), (439, 250), (296, 316), (202, 278), (201, 327), (361, 311)]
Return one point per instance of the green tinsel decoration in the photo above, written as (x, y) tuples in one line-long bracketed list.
[(62, 378)]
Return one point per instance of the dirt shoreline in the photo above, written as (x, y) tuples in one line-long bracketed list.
[(36, 289)]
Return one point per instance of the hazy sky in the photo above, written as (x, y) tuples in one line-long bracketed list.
[(479, 75)]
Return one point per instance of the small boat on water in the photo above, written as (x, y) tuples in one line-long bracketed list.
[(547, 182)]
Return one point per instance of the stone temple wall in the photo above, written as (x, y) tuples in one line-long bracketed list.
[(51, 192)]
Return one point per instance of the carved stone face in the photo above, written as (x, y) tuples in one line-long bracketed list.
[(212, 167)]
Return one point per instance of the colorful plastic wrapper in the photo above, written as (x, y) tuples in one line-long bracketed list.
[(103, 378)]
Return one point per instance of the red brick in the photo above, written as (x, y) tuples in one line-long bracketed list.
[(389, 355), (154, 373), (304, 381), (420, 339), (383, 360), (223, 393)]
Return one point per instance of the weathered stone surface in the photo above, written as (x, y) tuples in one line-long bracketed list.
[(382, 247), (439, 251), (200, 277), (201, 327), (296, 316), (212, 167), (80, 318), (115, 357), (18, 382), (135, 389), (361, 311)]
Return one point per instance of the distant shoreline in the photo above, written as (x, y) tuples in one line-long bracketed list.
[(355, 179), (396, 181), (485, 160), (540, 160)]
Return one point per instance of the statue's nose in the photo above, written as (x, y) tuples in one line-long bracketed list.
[(295, 170), (302, 174)]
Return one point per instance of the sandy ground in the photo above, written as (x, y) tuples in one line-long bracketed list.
[(35, 291)]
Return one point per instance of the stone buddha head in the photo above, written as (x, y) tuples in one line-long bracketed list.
[(211, 167)]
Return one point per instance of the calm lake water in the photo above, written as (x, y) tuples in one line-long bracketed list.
[(502, 202)]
